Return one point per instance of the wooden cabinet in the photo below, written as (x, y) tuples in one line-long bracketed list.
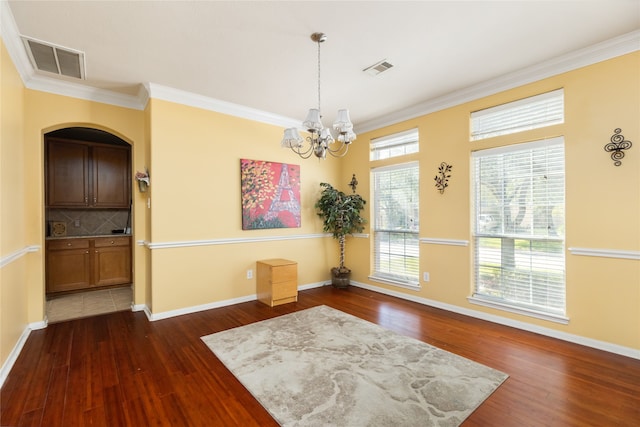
[(67, 174), (87, 175), (277, 281), (68, 265), (110, 171), (112, 261), (85, 263)]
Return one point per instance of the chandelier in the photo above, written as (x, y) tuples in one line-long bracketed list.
[(320, 139)]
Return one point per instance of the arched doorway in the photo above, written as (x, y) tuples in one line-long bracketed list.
[(88, 214)]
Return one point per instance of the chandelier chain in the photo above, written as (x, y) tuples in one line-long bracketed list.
[(319, 137), (319, 76)]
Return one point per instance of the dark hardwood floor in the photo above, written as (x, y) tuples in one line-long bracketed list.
[(121, 370)]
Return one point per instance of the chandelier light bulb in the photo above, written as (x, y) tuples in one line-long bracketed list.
[(313, 122)]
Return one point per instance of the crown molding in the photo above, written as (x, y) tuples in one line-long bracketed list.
[(88, 93), (11, 38), (618, 46), (178, 96), (36, 81), (608, 49)]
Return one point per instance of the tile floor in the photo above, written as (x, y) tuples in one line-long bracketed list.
[(87, 304)]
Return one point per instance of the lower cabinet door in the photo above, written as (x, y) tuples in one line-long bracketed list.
[(112, 265), (68, 270)]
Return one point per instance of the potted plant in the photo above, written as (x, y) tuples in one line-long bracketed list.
[(340, 214)]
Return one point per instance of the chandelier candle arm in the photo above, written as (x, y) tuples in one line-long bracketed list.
[(320, 138)]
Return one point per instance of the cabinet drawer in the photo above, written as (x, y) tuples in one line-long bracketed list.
[(284, 290), (103, 242), (284, 273), (68, 244)]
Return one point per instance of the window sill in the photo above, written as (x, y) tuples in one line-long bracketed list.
[(557, 318), (398, 283)]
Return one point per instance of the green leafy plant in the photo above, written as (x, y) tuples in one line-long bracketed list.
[(340, 214)]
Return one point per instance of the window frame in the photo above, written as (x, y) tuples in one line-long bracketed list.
[(382, 148), (534, 112), (536, 239), (400, 279)]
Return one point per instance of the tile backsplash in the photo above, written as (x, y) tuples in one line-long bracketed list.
[(89, 222)]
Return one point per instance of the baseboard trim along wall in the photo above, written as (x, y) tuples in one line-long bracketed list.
[(13, 356), (588, 342), (17, 348), (218, 304), (576, 339)]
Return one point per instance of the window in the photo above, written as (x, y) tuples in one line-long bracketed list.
[(530, 113), (519, 228), (396, 224), (395, 145)]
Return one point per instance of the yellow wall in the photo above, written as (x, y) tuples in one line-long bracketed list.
[(602, 200), (195, 187), (45, 112), (193, 157), (13, 294)]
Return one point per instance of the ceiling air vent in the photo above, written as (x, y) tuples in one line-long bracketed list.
[(55, 59), (378, 68)]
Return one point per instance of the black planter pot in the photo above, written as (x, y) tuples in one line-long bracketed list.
[(340, 277)]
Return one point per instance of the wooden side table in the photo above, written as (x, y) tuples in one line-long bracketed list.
[(277, 281)]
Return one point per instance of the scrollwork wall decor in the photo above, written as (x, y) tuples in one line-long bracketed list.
[(444, 173), (354, 183), (616, 146)]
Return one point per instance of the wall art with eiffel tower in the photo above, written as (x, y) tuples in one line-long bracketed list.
[(270, 194)]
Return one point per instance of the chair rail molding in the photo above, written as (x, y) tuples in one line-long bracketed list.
[(605, 253), (230, 241), (439, 241), (6, 260)]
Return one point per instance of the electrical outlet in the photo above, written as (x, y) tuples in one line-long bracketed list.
[(425, 276), (249, 274), (76, 223)]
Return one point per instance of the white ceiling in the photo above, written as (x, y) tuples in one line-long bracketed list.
[(259, 54)]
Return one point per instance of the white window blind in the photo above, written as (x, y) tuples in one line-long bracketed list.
[(396, 224), (519, 226), (394, 145), (529, 113)]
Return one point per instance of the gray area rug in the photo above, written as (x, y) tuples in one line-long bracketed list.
[(323, 367)]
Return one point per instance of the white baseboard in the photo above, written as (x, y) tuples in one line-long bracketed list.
[(138, 307), (39, 325), (13, 356), (218, 304), (314, 285), (600, 345), (576, 339), (194, 309)]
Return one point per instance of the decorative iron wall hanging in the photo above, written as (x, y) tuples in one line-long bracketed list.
[(354, 183), (444, 173), (616, 146)]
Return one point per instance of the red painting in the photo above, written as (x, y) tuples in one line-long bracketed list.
[(270, 195)]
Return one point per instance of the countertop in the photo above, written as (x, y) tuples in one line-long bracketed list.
[(88, 237)]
